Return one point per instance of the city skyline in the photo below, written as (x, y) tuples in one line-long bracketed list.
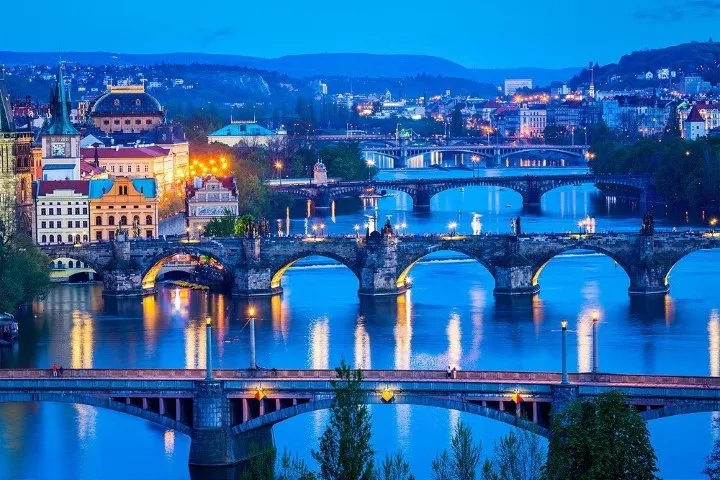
[(479, 40)]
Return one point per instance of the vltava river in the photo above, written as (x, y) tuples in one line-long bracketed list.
[(449, 317)]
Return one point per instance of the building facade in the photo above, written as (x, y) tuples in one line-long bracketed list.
[(512, 85), (208, 198), (122, 203), (533, 120), (128, 109), (61, 212), (694, 126), (249, 133), (147, 161)]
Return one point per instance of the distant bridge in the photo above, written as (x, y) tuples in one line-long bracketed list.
[(381, 263), (226, 415), (492, 154), (530, 187)]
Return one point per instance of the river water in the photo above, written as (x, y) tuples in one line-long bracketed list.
[(449, 317)]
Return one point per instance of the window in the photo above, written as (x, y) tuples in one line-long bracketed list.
[(98, 220), (43, 225), (106, 122), (123, 220), (111, 235), (136, 219), (52, 238), (148, 234), (85, 223), (129, 168), (137, 168), (127, 122), (146, 168), (117, 122), (52, 211), (70, 239), (148, 220), (111, 220), (85, 237), (52, 224), (43, 239), (77, 240), (70, 264), (98, 235), (121, 171), (148, 122), (77, 211), (112, 168), (137, 122), (77, 223), (84, 211), (42, 211)]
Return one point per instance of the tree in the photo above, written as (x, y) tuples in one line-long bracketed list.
[(244, 225), (672, 127), (462, 463), (712, 462), (293, 468), (602, 439), (457, 124), (221, 226), (261, 465), (345, 450), (393, 467), (517, 456)]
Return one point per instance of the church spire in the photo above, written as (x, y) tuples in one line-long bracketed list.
[(7, 124), (60, 109)]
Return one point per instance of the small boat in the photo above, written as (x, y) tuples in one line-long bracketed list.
[(8, 330)]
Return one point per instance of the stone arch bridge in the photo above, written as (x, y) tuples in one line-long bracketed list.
[(255, 266), (230, 417), (530, 187)]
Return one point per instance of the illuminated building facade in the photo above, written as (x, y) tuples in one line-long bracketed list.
[(122, 203), (60, 140), (249, 133), (127, 109), (61, 212), (208, 198)]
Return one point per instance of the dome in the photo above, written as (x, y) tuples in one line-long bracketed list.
[(127, 101)]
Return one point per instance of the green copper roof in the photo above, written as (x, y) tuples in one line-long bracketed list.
[(60, 109), (7, 124)]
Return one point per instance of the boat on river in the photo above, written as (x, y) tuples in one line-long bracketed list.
[(8, 330)]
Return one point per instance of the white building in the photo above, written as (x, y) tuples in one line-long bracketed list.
[(61, 212), (512, 85), (694, 126), (248, 132), (533, 120)]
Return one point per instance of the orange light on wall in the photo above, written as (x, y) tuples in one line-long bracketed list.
[(259, 394)]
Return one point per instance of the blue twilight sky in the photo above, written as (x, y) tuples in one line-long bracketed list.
[(475, 33)]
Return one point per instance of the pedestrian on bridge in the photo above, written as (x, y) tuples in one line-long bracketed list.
[(54, 370)]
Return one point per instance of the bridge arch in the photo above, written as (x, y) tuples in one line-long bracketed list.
[(540, 265), (680, 409), (154, 265), (65, 255), (406, 263), (399, 399), (98, 402), (279, 269)]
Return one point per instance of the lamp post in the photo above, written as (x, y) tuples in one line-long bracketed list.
[(278, 167), (564, 379), (357, 231), (713, 222), (208, 346), (370, 164), (251, 321), (595, 342)]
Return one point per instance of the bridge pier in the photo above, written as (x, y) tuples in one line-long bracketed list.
[(648, 273), (213, 444), (514, 280), (421, 200), (378, 275), (254, 281), (123, 283)]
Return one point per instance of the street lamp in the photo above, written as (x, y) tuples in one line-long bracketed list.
[(370, 164), (208, 347), (322, 229), (251, 321), (713, 222), (451, 228), (595, 342), (357, 230), (278, 167), (564, 378), (314, 229)]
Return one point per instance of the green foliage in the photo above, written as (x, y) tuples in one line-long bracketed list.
[(261, 465), (712, 462), (345, 161), (345, 450), (221, 226), (557, 135), (457, 124), (244, 225), (462, 463), (293, 468), (393, 467), (24, 271), (601, 439), (517, 456)]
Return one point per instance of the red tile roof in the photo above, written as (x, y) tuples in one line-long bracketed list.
[(695, 116), (87, 168), (226, 182), (125, 152), (49, 186)]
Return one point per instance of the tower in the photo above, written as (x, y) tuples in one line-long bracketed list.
[(60, 140), (591, 91)]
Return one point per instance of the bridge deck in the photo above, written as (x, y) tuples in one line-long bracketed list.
[(543, 378)]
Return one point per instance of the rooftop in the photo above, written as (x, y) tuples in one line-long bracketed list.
[(152, 151), (101, 186), (45, 187), (242, 129), (130, 100)]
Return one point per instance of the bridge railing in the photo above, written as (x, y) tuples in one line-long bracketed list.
[(371, 375)]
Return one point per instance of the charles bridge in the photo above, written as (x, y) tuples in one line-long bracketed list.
[(381, 262), (229, 414), (530, 187)]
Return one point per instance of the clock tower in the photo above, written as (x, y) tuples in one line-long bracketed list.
[(60, 140)]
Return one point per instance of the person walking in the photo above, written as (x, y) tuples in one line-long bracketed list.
[(60, 370), (54, 370)]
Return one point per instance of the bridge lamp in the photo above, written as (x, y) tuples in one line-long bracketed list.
[(713, 222), (387, 395), (251, 312), (259, 394)]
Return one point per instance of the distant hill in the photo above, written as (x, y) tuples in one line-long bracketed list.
[(702, 58), (308, 65)]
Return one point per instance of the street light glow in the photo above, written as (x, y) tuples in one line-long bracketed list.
[(251, 312), (563, 324)]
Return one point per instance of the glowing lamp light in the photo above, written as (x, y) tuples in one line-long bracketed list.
[(387, 395), (595, 315), (251, 312), (208, 321), (563, 324), (259, 394), (516, 397)]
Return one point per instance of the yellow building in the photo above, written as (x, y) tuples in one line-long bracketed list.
[(123, 203), (148, 161)]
